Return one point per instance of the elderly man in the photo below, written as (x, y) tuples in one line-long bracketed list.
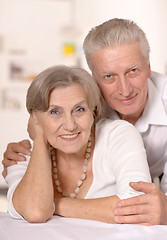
[(117, 53)]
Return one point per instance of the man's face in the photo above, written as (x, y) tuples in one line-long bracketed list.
[(121, 72)]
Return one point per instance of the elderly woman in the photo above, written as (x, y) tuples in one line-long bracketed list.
[(79, 167)]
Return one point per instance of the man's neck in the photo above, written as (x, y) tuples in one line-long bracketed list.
[(130, 118), (133, 118)]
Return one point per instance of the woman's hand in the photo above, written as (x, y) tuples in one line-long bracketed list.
[(34, 129)]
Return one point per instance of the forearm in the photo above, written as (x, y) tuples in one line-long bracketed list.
[(33, 197), (100, 209)]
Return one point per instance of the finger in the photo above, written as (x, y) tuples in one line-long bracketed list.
[(143, 186), (26, 143), (4, 173), (137, 200), (132, 219), (145, 224), (8, 163), (12, 156), (16, 148), (131, 210)]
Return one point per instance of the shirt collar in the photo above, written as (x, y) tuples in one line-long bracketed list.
[(154, 112)]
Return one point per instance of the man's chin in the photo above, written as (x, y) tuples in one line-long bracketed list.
[(128, 115)]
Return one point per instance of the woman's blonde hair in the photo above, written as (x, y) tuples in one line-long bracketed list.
[(62, 76)]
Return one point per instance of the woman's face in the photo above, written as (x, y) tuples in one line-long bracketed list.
[(67, 122)]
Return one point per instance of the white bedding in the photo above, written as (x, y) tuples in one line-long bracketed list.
[(58, 228)]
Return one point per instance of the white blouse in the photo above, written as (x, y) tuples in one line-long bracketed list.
[(119, 158)]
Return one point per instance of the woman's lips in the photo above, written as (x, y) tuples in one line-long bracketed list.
[(69, 137)]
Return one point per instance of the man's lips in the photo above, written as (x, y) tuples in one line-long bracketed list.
[(127, 100)]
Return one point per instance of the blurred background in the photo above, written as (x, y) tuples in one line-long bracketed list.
[(35, 34)]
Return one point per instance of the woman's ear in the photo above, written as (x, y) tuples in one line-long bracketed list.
[(35, 117)]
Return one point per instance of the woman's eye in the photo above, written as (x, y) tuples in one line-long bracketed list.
[(54, 112), (81, 109)]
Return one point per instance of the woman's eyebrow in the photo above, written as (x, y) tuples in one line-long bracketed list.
[(59, 107), (80, 103), (54, 106)]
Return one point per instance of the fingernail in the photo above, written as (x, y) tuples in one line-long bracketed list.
[(21, 158)]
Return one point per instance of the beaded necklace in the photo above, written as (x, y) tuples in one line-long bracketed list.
[(82, 178)]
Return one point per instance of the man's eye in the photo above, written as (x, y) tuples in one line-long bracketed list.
[(108, 76), (134, 72)]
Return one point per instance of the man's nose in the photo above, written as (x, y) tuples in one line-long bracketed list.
[(124, 86)]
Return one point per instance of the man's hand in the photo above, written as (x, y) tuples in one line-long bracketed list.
[(147, 209), (11, 155)]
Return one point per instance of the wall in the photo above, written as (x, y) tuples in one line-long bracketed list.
[(32, 33), (150, 15)]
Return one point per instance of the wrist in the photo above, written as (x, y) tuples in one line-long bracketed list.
[(41, 140), (60, 207)]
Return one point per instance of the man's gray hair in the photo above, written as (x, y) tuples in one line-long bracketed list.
[(115, 32)]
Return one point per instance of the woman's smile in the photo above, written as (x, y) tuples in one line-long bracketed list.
[(69, 137)]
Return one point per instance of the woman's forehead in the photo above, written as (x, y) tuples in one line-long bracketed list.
[(73, 93)]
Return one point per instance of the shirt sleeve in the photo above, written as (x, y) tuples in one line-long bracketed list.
[(129, 162), (14, 175)]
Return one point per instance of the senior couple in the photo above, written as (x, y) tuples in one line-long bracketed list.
[(85, 162)]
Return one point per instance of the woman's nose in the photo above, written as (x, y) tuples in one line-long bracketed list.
[(69, 123)]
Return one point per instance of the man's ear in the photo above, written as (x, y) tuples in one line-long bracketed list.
[(149, 75)]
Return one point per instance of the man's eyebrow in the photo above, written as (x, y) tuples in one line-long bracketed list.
[(108, 72), (134, 65)]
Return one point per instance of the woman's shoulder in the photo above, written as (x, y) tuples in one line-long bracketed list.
[(106, 127), (111, 124)]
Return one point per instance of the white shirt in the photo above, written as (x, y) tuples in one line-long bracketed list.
[(152, 126), (119, 157)]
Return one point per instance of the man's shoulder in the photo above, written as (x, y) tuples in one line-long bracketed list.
[(159, 80)]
